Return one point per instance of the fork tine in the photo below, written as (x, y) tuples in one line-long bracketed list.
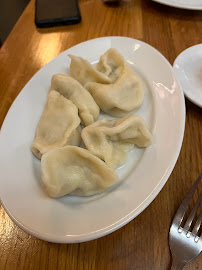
[(192, 214), (197, 225), (183, 207)]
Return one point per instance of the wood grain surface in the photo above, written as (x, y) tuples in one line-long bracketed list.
[(143, 243)]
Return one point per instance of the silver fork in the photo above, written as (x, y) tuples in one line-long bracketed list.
[(185, 245)]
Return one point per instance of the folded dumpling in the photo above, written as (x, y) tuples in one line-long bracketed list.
[(82, 71), (120, 93), (59, 125), (75, 171), (106, 71), (74, 91), (111, 64), (120, 98), (111, 140)]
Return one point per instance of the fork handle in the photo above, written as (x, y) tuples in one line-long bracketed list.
[(176, 265)]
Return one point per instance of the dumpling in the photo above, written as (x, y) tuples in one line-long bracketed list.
[(74, 91), (111, 140), (82, 71), (107, 70), (75, 171), (59, 125), (124, 94), (111, 64), (118, 96)]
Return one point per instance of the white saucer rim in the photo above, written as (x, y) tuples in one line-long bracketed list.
[(180, 6), (194, 101)]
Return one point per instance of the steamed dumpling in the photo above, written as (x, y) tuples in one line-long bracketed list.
[(111, 64), (74, 91), (111, 140), (107, 70), (120, 98), (75, 171), (59, 125), (82, 71), (122, 94)]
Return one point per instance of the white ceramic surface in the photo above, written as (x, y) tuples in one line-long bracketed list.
[(73, 219), (186, 4), (188, 69)]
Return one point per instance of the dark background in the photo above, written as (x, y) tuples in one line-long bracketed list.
[(10, 11)]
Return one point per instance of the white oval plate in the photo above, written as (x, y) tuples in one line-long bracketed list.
[(186, 4), (188, 69), (74, 219)]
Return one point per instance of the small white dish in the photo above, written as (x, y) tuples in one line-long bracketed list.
[(188, 69), (75, 219), (185, 4)]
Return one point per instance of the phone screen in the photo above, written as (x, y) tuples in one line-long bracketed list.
[(56, 12)]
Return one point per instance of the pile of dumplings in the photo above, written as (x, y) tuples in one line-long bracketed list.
[(76, 100)]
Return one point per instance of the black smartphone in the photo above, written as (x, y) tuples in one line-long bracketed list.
[(49, 13)]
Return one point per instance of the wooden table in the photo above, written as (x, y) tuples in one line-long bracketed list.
[(143, 243)]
